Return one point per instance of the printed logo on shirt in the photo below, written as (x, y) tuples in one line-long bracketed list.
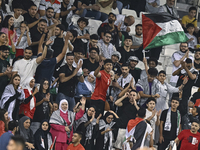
[(192, 140)]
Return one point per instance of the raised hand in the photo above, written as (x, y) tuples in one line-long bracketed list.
[(126, 94), (101, 63), (49, 42), (83, 100)]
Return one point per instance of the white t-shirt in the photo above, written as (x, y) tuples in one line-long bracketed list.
[(44, 4), (25, 68), (123, 81), (137, 41), (119, 20), (152, 121), (192, 43), (177, 56), (17, 21)]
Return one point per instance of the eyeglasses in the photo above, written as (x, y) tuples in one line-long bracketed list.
[(108, 37)]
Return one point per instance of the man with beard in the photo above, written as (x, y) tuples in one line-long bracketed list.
[(177, 58), (190, 138), (106, 48), (92, 43), (134, 71), (169, 8), (125, 22), (51, 22), (36, 34), (26, 67), (76, 139), (30, 16), (5, 69), (137, 38), (186, 71), (126, 76), (126, 50), (103, 81), (91, 64), (197, 65), (57, 45), (112, 28)]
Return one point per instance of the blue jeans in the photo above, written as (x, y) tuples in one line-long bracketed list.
[(71, 100), (91, 13), (119, 6)]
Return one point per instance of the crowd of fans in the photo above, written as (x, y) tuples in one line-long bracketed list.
[(63, 88)]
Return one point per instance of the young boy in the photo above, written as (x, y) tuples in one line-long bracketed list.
[(190, 18), (152, 116), (17, 14), (164, 89), (192, 42), (83, 33)]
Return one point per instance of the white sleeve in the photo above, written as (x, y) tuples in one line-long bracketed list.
[(42, 5), (15, 67)]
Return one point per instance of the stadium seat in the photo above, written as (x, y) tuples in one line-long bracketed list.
[(128, 12), (93, 26), (143, 13), (115, 11)]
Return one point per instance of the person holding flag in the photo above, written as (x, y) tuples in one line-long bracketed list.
[(138, 128)]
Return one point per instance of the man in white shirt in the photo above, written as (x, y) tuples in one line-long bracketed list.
[(177, 57), (124, 21), (26, 67), (106, 48)]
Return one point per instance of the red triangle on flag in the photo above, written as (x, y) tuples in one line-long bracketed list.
[(149, 30)]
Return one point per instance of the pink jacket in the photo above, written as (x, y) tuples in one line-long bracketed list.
[(59, 130)]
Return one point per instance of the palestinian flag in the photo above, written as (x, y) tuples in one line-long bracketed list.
[(161, 29), (53, 145)]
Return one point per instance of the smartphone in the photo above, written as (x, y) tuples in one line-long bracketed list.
[(38, 86)]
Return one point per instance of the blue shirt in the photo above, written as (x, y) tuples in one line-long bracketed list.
[(4, 139)]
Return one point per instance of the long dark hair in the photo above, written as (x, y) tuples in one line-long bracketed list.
[(3, 6), (11, 81), (2, 118), (41, 86), (5, 22)]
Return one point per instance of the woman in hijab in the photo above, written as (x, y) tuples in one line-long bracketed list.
[(106, 126), (28, 107), (12, 96), (88, 124), (87, 87), (26, 132), (62, 121), (43, 139)]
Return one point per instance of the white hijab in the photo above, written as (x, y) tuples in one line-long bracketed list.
[(89, 85), (62, 101), (27, 86)]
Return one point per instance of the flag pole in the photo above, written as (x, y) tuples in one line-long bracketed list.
[(143, 51)]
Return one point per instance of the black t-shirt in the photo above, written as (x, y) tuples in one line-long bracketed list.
[(188, 87), (89, 65), (57, 47), (68, 88), (45, 70), (135, 73), (35, 37), (104, 28), (29, 19), (197, 66), (117, 68), (126, 112), (195, 96), (170, 135), (42, 111), (3, 79), (125, 55)]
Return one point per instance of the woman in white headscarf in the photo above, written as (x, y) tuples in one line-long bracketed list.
[(62, 121), (28, 107), (87, 87)]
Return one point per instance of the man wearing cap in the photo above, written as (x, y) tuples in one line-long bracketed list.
[(134, 71), (112, 28), (106, 48), (103, 81), (116, 56), (91, 64), (126, 50)]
